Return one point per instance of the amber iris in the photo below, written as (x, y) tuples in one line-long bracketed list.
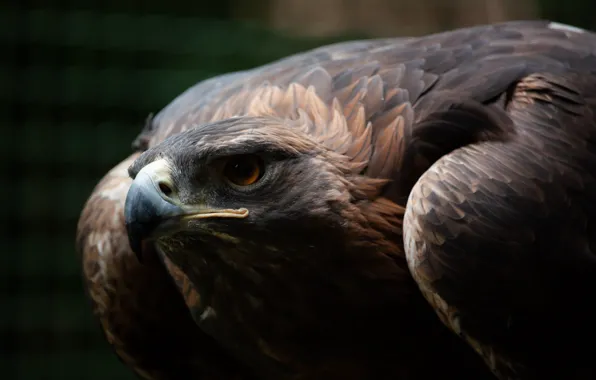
[(243, 170)]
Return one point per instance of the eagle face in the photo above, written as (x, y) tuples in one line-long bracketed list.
[(270, 229), (249, 191)]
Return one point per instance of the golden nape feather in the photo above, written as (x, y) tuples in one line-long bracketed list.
[(408, 208)]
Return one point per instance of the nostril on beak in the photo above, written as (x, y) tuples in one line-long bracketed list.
[(165, 189)]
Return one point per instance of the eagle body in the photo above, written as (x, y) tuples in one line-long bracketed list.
[(406, 208)]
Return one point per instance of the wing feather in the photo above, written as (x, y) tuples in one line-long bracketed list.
[(499, 234)]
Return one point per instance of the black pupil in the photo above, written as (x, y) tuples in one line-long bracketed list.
[(243, 170)]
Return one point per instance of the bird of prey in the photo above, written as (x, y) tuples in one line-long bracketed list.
[(403, 208)]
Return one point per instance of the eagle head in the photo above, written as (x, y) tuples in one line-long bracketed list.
[(246, 192)]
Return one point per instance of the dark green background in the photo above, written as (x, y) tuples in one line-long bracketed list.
[(76, 83)]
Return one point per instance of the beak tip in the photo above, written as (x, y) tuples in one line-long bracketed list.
[(135, 241), (136, 230), (137, 249), (144, 211)]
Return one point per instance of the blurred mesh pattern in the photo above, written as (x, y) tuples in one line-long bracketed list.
[(76, 87)]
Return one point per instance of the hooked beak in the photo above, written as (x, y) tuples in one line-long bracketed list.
[(153, 209)]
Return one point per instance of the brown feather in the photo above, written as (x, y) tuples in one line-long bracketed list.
[(497, 233), (477, 121), (140, 311)]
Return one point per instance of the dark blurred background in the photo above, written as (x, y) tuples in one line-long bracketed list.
[(78, 80)]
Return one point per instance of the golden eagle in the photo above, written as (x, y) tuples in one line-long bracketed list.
[(405, 208)]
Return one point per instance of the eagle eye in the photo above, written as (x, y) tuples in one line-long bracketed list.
[(243, 170)]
